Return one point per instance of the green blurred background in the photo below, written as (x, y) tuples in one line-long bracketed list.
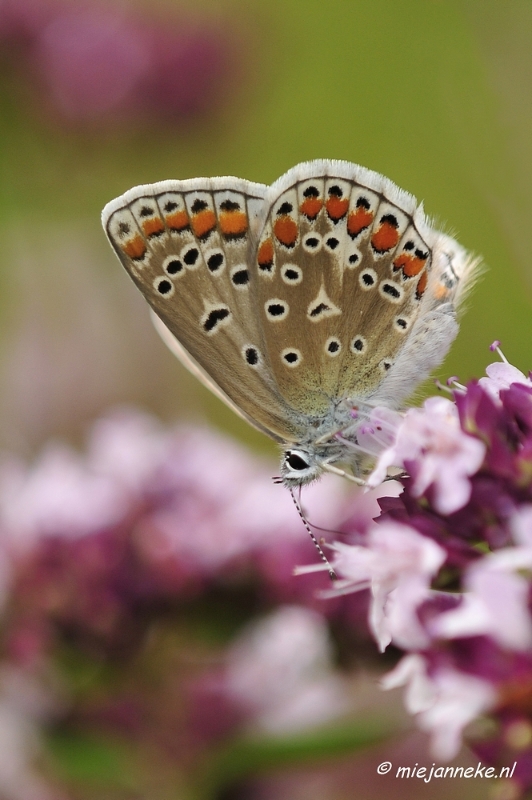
[(435, 94)]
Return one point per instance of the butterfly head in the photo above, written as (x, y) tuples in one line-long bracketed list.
[(299, 466), (305, 463)]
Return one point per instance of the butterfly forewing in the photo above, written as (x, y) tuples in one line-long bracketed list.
[(189, 253)]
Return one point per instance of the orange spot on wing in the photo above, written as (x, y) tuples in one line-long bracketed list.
[(411, 265), (233, 223), (421, 285), (177, 221), (359, 220), (135, 248), (311, 207), (337, 207), (286, 230), (265, 254), (385, 237), (203, 222), (153, 226)]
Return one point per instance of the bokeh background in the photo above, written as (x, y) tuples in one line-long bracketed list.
[(96, 97)]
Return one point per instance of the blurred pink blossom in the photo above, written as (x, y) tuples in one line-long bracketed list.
[(445, 701), (91, 60), (188, 476), (378, 431), (97, 63), (147, 515), (521, 525), (495, 601), (148, 518), (21, 20), (58, 495), (281, 669), (24, 706)]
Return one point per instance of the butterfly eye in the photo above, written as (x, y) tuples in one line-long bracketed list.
[(295, 461)]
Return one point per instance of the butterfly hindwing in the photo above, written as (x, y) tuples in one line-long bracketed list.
[(343, 285)]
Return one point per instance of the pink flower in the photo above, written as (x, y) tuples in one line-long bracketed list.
[(128, 447), (95, 63), (57, 495), (444, 700), (281, 668), (91, 60), (495, 602), (501, 375), (397, 564), (375, 431), (22, 20), (65, 494), (435, 451), (521, 525), (222, 504), (24, 706)]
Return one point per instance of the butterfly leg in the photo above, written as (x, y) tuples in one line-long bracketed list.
[(343, 474)]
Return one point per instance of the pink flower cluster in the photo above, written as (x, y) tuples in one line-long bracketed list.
[(448, 564), (145, 515), (106, 554), (117, 556), (98, 63)]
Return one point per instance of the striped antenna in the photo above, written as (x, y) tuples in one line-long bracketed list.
[(332, 574)]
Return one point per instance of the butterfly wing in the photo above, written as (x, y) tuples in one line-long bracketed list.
[(187, 246), (285, 300), (351, 278)]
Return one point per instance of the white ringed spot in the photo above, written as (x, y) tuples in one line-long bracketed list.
[(321, 307), (401, 324), (276, 309), (367, 279), (353, 258), (332, 243), (251, 356), (191, 257), (173, 266), (312, 243), (291, 274), (240, 277), (164, 287), (358, 345), (215, 317), (215, 260), (391, 291), (291, 357), (333, 346)]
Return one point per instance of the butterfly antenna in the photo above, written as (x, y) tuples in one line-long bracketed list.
[(332, 574)]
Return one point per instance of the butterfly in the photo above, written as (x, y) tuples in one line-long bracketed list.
[(296, 303)]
